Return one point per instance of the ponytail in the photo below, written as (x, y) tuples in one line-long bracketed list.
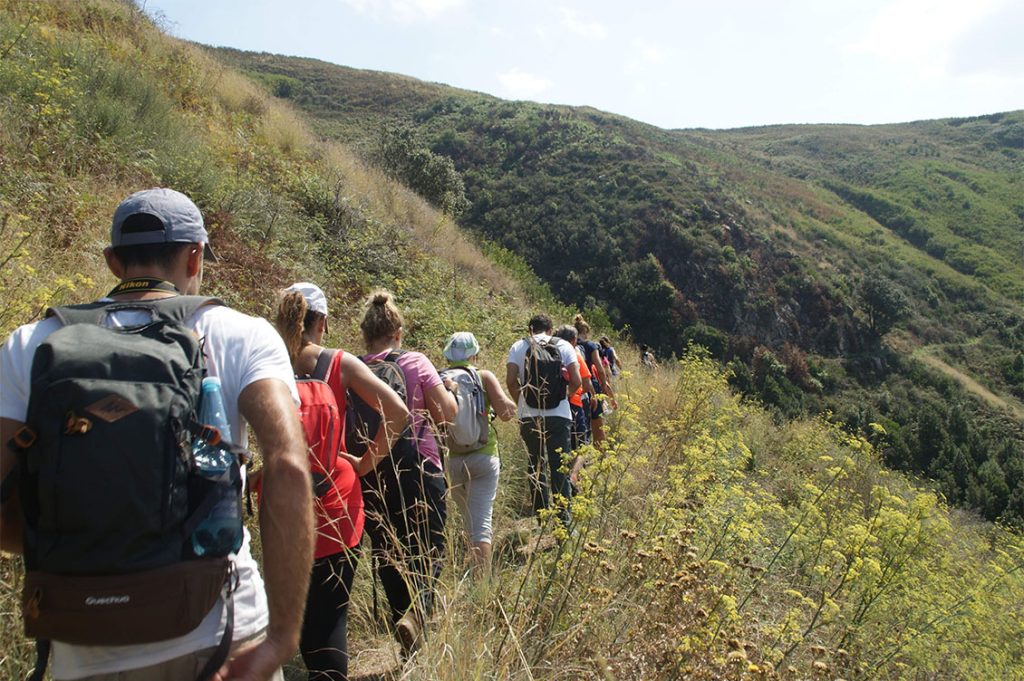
[(291, 315), (581, 325)]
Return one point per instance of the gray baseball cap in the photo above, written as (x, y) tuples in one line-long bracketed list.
[(157, 216)]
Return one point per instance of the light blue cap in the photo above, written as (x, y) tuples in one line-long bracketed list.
[(461, 346)]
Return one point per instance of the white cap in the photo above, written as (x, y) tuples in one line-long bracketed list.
[(315, 298)]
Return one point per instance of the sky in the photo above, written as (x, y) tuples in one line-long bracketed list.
[(671, 63)]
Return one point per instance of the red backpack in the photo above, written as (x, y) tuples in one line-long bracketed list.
[(321, 420)]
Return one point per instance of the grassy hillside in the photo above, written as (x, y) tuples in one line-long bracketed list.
[(712, 542), (876, 273)]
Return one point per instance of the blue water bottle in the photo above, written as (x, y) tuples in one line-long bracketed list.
[(220, 532)]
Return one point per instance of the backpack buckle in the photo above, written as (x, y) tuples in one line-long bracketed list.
[(76, 425), (24, 438), (31, 607)]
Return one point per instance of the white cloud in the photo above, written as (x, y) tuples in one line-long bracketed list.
[(992, 51), (921, 33), (521, 85), (644, 56), (588, 29), (404, 11), (651, 54)]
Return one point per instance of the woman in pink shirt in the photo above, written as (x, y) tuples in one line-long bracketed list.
[(391, 512)]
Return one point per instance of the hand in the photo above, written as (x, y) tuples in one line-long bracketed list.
[(254, 662), (361, 464)]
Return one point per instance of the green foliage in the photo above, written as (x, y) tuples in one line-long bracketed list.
[(884, 304), (431, 175), (708, 337)]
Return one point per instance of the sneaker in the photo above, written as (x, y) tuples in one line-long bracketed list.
[(409, 633)]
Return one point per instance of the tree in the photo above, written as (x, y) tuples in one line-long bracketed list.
[(430, 175), (991, 493), (884, 303)]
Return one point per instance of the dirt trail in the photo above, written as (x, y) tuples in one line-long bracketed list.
[(1014, 406)]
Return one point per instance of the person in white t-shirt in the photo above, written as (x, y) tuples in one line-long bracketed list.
[(158, 242), (546, 432)]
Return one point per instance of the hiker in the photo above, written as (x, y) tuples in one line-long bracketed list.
[(127, 504), (647, 360), (302, 322), (611, 358), (473, 464), (579, 402), (600, 377), (535, 381), (405, 499), (579, 405)]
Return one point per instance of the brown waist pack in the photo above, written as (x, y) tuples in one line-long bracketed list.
[(111, 610)]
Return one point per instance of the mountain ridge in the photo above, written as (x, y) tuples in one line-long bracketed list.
[(777, 247)]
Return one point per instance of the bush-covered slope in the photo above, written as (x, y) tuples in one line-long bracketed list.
[(711, 542), (791, 251)]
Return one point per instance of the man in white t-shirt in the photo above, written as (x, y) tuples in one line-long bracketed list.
[(545, 431), (158, 242)]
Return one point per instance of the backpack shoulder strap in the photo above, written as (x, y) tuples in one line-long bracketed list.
[(181, 308), (469, 370), (178, 308), (87, 313), (323, 364)]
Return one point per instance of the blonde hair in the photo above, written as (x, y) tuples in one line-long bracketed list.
[(382, 318), (293, 321), (582, 328)]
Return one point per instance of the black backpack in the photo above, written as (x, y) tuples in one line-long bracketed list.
[(104, 479), (544, 385), (362, 421)]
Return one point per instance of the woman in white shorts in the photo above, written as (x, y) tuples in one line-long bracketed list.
[(473, 476)]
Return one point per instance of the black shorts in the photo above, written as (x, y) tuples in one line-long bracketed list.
[(596, 406)]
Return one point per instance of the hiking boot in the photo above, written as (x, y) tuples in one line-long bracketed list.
[(409, 633)]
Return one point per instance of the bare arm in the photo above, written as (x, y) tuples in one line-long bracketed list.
[(500, 402), (575, 382), (394, 413), (286, 525), (10, 514), (585, 376), (512, 381)]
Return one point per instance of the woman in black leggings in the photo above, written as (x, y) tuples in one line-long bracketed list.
[(405, 499), (324, 642), (302, 322)]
